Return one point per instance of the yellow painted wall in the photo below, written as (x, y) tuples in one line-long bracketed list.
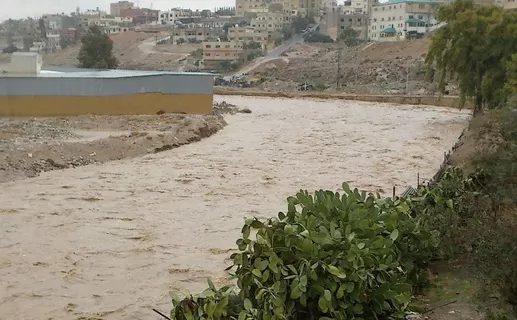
[(145, 103)]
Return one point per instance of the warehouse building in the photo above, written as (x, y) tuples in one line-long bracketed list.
[(32, 92)]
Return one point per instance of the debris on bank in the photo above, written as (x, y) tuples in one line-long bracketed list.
[(228, 108)]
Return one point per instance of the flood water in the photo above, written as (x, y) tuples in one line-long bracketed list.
[(110, 241)]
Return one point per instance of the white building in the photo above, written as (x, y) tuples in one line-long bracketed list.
[(22, 64), (167, 17), (52, 21), (401, 19)]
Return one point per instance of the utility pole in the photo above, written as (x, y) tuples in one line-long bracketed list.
[(357, 66), (407, 79), (338, 67)]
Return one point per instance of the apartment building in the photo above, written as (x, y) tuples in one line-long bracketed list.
[(269, 21), (167, 17), (242, 7), (196, 34), (140, 15), (215, 52), (336, 22), (117, 7), (401, 19), (53, 21), (250, 34)]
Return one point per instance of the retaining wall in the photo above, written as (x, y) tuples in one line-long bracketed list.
[(106, 93), (445, 101)]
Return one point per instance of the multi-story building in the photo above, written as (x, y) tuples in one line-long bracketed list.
[(401, 19), (216, 52), (140, 15), (243, 7), (52, 21), (196, 33), (167, 17), (117, 7), (336, 22), (250, 34), (270, 21)]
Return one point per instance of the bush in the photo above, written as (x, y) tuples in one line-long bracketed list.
[(10, 49), (216, 304), (331, 256), (318, 37)]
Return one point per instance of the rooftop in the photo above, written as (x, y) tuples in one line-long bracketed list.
[(84, 73)]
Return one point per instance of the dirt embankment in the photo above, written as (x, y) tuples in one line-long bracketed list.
[(29, 147), (127, 48), (376, 68)]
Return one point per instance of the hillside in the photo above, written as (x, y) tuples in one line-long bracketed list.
[(372, 68), (134, 50)]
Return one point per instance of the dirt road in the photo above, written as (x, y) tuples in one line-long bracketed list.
[(109, 241)]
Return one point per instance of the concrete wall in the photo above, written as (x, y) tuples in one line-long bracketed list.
[(73, 94), (21, 64), (445, 101)]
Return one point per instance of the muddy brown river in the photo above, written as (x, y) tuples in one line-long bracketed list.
[(110, 241)]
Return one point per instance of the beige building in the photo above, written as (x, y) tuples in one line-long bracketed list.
[(117, 7), (249, 34), (270, 21), (215, 52), (196, 34), (336, 22), (401, 19)]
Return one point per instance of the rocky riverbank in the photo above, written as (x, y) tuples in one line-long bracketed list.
[(30, 147)]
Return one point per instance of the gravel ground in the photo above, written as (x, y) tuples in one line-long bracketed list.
[(29, 147)]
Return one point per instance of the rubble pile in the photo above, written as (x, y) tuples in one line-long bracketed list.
[(228, 108)]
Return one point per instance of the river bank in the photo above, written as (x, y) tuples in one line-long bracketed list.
[(31, 147), (444, 101)]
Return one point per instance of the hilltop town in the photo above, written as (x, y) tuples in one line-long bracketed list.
[(355, 45)]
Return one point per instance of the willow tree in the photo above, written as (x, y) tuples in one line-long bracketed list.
[(473, 49)]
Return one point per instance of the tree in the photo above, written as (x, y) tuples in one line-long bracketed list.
[(350, 37), (96, 50), (301, 23), (252, 45), (63, 43), (473, 49), (10, 49), (318, 37), (42, 29)]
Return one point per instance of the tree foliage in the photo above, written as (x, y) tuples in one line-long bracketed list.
[(96, 50), (10, 49), (330, 256), (350, 37), (301, 23), (318, 37), (473, 49)]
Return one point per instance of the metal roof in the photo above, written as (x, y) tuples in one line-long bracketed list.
[(114, 74), (389, 30)]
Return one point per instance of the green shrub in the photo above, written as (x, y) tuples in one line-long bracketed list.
[(332, 256), (211, 304)]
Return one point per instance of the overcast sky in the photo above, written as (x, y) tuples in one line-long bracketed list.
[(23, 8)]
